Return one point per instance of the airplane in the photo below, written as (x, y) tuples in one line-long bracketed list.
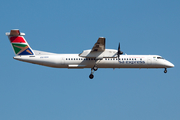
[(97, 57)]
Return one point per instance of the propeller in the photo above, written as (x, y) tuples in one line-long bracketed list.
[(119, 51)]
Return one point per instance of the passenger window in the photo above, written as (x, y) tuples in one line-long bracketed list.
[(129, 58), (124, 58), (71, 58)]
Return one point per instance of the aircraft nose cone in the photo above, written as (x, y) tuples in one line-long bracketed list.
[(170, 65)]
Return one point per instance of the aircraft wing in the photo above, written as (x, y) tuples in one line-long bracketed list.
[(98, 50), (99, 46)]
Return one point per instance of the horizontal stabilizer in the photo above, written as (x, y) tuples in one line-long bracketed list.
[(15, 32)]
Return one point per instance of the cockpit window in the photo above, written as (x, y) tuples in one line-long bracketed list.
[(160, 58)]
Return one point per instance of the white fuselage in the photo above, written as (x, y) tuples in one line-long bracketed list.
[(74, 61)]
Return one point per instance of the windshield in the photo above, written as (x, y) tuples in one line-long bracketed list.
[(160, 58)]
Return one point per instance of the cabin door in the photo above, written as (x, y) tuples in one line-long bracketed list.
[(62, 59), (149, 61)]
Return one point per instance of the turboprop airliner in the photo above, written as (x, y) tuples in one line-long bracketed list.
[(97, 57)]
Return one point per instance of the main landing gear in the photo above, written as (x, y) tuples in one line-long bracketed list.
[(95, 68), (165, 71)]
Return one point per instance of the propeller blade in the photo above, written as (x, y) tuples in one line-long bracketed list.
[(119, 51), (119, 48)]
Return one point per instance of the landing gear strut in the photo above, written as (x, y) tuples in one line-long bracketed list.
[(165, 71), (95, 68)]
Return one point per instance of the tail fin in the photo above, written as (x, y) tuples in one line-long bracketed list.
[(19, 44)]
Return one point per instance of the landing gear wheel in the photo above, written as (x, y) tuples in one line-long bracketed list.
[(165, 71), (91, 76), (95, 68)]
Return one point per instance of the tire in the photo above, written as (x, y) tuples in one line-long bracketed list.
[(91, 76), (95, 68)]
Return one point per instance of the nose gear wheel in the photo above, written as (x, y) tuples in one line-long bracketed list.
[(165, 71)]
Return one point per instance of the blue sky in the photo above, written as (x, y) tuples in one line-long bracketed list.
[(29, 91)]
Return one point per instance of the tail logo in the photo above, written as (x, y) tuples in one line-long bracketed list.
[(21, 49), (20, 46)]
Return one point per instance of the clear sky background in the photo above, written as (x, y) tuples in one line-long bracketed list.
[(33, 92)]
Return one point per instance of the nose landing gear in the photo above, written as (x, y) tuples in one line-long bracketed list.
[(165, 71)]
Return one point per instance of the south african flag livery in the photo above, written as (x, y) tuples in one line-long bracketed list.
[(20, 45)]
